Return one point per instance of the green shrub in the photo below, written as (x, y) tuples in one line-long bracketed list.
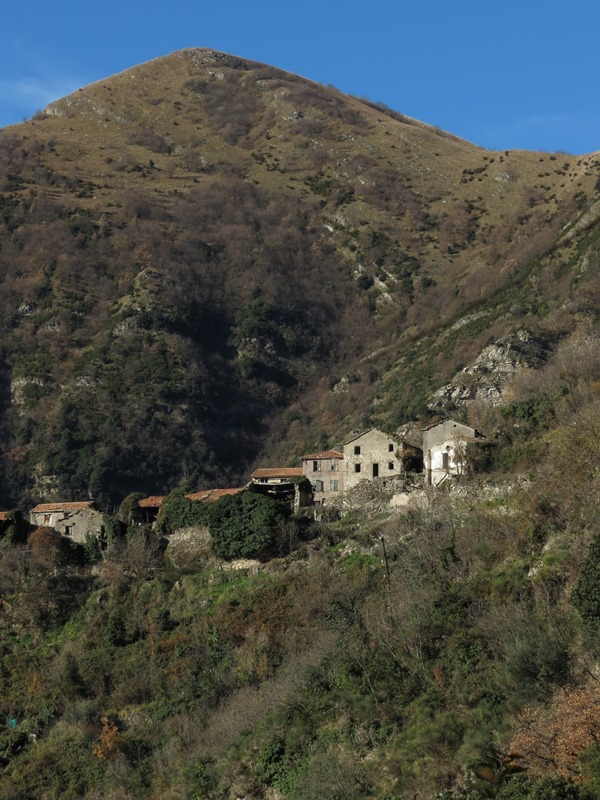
[(115, 531), (586, 594), (547, 788), (18, 527), (271, 762), (536, 662), (91, 548), (129, 510), (521, 787), (245, 525), (178, 511)]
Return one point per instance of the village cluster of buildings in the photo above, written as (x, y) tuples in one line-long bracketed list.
[(323, 476)]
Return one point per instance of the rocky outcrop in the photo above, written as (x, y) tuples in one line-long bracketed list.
[(488, 376)]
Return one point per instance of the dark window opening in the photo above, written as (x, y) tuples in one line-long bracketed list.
[(390, 465), (375, 470), (357, 468), (390, 448), (445, 461), (356, 449)]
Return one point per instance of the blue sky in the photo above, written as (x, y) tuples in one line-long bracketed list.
[(504, 75)]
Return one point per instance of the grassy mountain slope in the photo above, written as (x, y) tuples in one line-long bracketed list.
[(206, 261)]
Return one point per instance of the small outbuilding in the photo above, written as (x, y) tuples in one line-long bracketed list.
[(75, 520), (149, 508), (282, 483), (444, 450)]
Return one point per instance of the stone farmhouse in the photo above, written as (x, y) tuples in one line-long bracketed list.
[(75, 520), (370, 454), (444, 450), (325, 471)]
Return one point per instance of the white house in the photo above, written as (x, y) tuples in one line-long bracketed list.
[(444, 450)]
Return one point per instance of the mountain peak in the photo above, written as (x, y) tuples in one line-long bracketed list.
[(197, 250)]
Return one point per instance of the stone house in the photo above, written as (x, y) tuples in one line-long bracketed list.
[(369, 455), (282, 483), (75, 520), (325, 471), (444, 450)]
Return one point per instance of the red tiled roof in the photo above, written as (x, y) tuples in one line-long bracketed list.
[(154, 501), (324, 454), (45, 507), (3, 516), (211, 495), (278, 472)]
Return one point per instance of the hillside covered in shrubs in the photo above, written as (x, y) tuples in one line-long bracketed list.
[(449, 651), (208, 264)]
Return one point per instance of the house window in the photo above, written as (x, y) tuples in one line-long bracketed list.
[(334, 486), (316, 466), (375, 470), (390, 465), (47, 519), (68, 530), (357, 468), (356, 449), (318, 486), (445, 460), (334, 465), (390, 447)]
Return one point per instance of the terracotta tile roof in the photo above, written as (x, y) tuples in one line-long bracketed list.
[(3, 516), (46, 507), (211, 495), (154, 501), (278, 472), (323, 454)]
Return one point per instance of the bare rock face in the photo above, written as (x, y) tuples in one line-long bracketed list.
[(189, 546), (491, 372)]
